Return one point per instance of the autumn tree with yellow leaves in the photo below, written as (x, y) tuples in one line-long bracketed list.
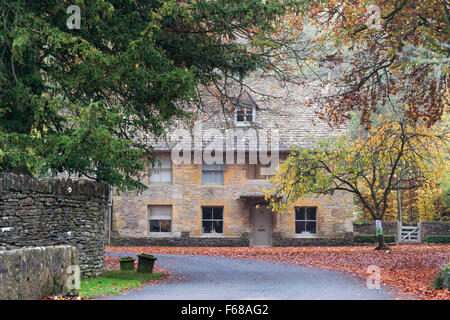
[(430, 201), (394, 153)]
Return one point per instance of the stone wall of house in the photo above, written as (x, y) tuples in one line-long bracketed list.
[(187, 195), (334, 216), (44, 212), (33, 273)]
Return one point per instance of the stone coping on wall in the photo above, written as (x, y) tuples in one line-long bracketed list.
[(243, 241), (33, 273), (183, 241), (280, 241), (390, 228), (60, 186)]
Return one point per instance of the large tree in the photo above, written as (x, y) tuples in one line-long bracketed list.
[(393, 154), (78, 100), (376, 51)]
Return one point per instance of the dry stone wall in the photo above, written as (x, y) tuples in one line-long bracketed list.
[(45, 212)]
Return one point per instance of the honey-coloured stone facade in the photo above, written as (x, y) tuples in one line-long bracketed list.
[(187, 196)]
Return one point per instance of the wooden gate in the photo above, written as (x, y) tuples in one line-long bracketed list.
[(409, 234)]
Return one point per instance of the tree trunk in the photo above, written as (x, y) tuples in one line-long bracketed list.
[(399, 203), (381, 244), (380, 235)]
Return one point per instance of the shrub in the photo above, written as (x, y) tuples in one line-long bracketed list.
[(442, 280), (437, 239), (371, 238)]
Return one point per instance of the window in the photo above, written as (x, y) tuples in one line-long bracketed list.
[(305, 220), (254, 172), (245, 108), (212, 219), (161, 171), (212, 173), (244, 115), (160, 219)]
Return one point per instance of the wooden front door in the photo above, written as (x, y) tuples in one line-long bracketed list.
[(262, 227)]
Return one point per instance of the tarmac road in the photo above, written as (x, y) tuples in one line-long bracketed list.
[(217, 278)]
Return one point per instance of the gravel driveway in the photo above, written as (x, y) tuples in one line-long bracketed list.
[(217, 278)]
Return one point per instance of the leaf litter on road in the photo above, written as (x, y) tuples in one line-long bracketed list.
[(409, 269)]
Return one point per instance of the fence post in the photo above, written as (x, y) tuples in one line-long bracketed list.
[(399, 231), (419, 232)]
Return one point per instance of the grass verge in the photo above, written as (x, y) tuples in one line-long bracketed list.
[(114, 283)]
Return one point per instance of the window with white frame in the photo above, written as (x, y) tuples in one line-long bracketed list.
[(245, 109), (212, 220), (159, 219), (212, 174), (244, 115), (160, 172), (305, 220)]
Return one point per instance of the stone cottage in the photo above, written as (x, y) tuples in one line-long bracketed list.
[(207, 185)]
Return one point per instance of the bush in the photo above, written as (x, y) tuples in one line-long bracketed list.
[(442, 280), (437, 239), (372, 238)]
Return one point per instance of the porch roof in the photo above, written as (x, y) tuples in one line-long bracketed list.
[(252, 195), (254, 198)]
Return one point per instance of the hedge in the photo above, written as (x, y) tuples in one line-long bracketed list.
[(437, 239), (371, 238), (442, 280)]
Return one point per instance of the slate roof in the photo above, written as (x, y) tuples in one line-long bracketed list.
[(278, 107)]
